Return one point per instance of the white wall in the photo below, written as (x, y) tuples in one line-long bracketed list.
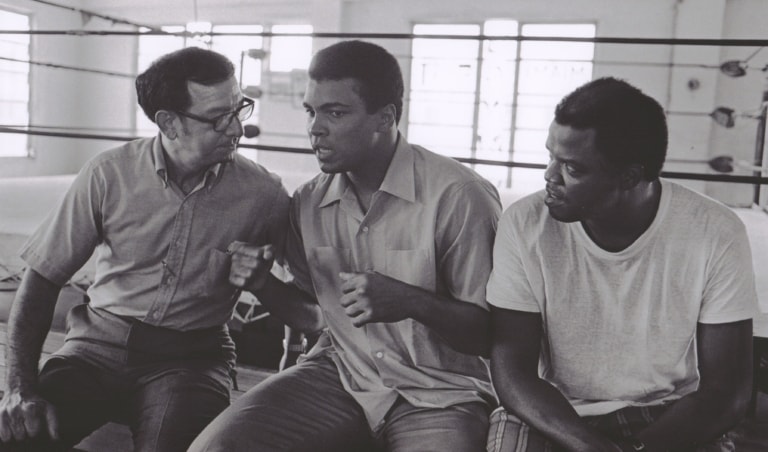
[(66, 97), (61, 97)]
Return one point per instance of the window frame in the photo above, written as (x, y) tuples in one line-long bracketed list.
[(27, 151)]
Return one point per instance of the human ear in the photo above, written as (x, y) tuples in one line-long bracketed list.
[(387, 115), (165, 120), (631, 176)]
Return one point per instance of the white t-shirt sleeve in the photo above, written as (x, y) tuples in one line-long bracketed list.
[(729, 294), (509, 286)]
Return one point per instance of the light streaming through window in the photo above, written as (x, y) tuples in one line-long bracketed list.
[(14, 83), (493, 99)]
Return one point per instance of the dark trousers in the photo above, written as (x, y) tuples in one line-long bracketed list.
[(165, 385)]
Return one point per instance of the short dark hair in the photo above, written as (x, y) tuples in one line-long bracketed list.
[(163, 86), (376, 70), (630, 126)]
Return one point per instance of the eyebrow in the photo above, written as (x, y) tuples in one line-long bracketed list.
[(561, 159), (327, 106), (218, 111)]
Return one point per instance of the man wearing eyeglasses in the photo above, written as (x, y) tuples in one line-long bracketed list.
[(151, 348)]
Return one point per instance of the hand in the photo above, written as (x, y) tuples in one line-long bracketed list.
[(26, 416), (372, 297), (250, 265)]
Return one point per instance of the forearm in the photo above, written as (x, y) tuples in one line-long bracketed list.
[(696, 418), (28, 324), (291, 305), (724, 353), (544, 408), (464, 326)]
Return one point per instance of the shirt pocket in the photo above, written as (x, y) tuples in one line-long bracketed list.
[(415, 267), (325, 264), (212, 276)]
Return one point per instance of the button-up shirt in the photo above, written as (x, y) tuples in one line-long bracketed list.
[(431, 224), (161, 255)]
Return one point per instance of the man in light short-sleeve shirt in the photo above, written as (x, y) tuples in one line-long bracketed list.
[(151, 348), (393, 242)]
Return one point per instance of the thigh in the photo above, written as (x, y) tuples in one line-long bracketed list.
[(303, 408), (172, 403), (507, 433), (459, 428), (84, 399)]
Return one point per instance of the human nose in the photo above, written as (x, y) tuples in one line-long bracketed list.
[(552, 173), (315, 127), (235, 127)]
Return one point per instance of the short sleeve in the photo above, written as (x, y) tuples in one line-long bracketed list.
[(508, 285), (467, 221), (64, 242), (730, 293)]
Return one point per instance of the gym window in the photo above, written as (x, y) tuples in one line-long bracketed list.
[(493, 99), (14, 83)]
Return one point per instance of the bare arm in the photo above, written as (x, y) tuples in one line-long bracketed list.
[(291, 305), (515, 348), (23, 412), (725, 367), (372, 297)]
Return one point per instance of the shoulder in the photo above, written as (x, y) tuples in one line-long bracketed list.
[(527, 211), (132, 151), (696, 210), (315, 187), (129, 160), (450, 177), (252, 176)]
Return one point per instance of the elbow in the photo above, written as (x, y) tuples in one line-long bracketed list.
[(477, 344), (310, 322), (737, 405), (730, 407)]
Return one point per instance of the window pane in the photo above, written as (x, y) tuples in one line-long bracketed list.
[(548, 71), (290, 52), (14, 83), (442, 108), (443, 83), (446, 140), (497, 89), (247, 67), (236, 47)]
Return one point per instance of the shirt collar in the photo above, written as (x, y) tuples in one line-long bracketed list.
[(161, 167), (398, 181)]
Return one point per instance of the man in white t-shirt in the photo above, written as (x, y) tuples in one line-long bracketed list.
[(622, 303)]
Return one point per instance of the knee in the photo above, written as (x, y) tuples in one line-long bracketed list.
[(506, 431)]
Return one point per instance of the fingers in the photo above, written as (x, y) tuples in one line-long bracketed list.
[(5, 427), (52, 421), (27, 419), (249, 262)]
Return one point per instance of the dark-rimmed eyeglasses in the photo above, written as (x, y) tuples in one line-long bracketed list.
[(221, 123)]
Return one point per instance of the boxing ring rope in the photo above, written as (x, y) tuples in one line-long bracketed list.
[(756, 180), (145, 30)]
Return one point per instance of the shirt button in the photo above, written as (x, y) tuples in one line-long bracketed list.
[(365, 228), (379, 355)]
